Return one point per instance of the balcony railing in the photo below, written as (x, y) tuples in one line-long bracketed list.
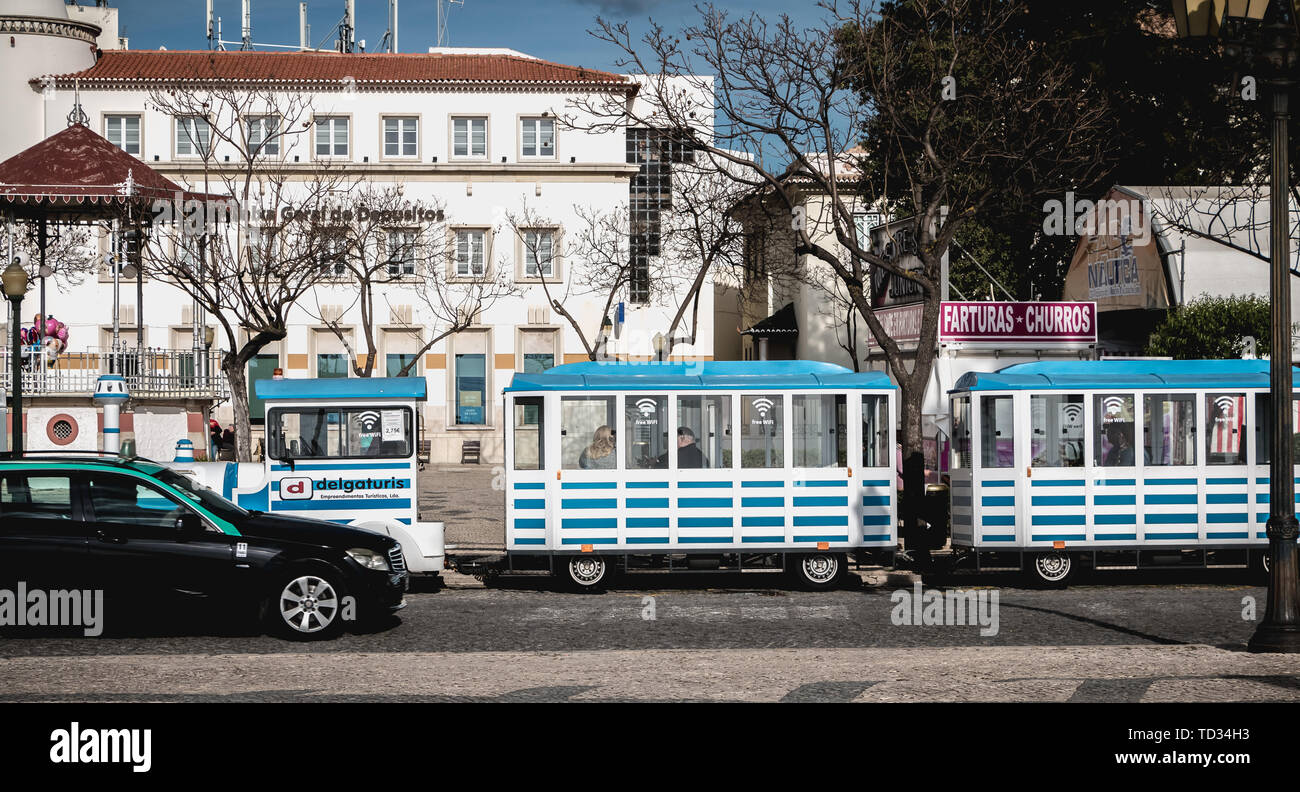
[(149, 372)]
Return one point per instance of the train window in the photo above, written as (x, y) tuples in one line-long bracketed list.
[(1169, 429), (704, 432), (645, 419), (875, 431), (819, 425), (997, 432), (961, 433), (1225, 428), (1264, 427), (1056, 423), (1112, 423), (530, 433), (587, 433), (762, 431)]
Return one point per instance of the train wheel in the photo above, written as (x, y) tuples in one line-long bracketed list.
[(819, 571), (586, 572), (1052, 569)]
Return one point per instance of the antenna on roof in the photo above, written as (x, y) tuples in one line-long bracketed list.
[(348, 28), (304, 30), (246, 35), (389, 42), (442, 19), (212, 28)]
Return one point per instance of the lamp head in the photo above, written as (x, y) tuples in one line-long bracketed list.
[(15, 278)]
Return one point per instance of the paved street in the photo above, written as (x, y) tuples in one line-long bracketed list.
[(710, 638)]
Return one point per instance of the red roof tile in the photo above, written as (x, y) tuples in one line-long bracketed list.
[(76, 165), (334, 67)]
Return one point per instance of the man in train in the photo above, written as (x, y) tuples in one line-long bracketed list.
[(689, 454)]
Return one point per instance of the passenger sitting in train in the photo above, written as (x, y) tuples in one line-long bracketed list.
[(689, 454), (600, 454), (1121, 447)]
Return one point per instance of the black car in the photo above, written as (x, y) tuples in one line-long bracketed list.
[(133, 528)]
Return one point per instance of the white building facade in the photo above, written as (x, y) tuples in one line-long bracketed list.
[(481, 134)]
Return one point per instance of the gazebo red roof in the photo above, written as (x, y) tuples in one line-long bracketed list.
[(76, 170)]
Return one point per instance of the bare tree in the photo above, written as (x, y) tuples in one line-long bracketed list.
[(390, 244), (248, 258), (599, 241), (956, 111)]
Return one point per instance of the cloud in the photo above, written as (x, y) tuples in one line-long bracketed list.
[(622, 6)]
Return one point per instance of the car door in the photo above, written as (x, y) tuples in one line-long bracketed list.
[(137, 544), (43, 538)]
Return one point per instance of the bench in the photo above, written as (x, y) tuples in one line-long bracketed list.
[(469, 452), (424, 452)]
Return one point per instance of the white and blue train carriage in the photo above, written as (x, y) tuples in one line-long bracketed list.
[(1119, 464), (342, 450), (741, 465)]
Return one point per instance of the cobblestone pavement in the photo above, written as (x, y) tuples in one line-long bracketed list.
[(463, 497), (1131, 673), (711, 638)]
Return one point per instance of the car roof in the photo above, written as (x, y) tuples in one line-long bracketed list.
[(145, 466)]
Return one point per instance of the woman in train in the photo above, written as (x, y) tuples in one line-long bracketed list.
[(600, 454)]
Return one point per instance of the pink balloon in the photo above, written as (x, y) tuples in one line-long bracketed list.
[(51, 327), (63, 332)]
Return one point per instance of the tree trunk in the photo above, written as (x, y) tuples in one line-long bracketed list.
[(238, 379), (912, 498)]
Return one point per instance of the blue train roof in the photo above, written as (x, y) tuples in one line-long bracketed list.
[(706, 375), (1098, 374), (342, 388)]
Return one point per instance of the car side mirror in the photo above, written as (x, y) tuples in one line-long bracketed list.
[(188, 524)]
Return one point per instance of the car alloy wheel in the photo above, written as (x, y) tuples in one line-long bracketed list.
[(308, 604)]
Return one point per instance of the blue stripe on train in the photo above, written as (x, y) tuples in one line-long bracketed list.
[(589, 485), (589, 503), (704, 503), (647, 522), (821, 501), (647, 503)]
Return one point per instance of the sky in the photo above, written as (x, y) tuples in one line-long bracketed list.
[(551, 29)]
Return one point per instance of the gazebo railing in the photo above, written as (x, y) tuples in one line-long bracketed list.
[(149, 372)]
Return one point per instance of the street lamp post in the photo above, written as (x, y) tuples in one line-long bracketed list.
[(14, 280), (1263, 33)]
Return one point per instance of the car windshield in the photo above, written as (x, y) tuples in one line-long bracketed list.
[(202, 495)]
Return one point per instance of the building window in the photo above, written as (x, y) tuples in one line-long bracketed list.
[(395, 363), (469, 137), (332, 256), (401, 253), (332, 136), (193, 137), (260, 367), (401, 137), (123, 131), (263, 136), (331, 365), (649, 193), (471, 389), (539, 254), (470, 253), (537, 138)]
